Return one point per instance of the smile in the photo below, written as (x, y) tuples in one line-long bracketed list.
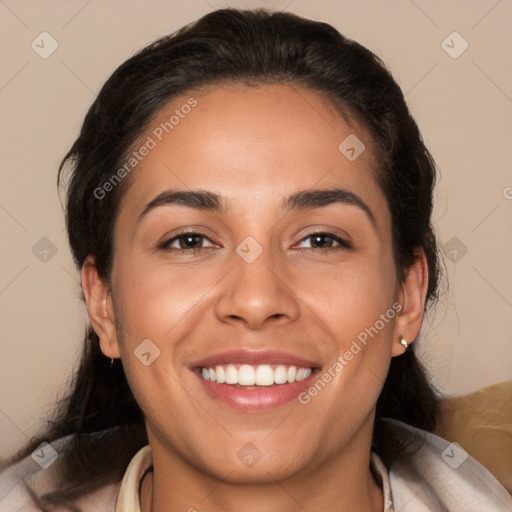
[(254, 381), (255, 375)]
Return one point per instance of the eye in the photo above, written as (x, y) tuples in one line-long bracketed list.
[(190, 241), (325, 240)]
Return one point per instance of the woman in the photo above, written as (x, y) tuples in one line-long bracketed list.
[(249, 203)]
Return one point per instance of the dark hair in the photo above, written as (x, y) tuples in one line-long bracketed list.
[(229, 46)]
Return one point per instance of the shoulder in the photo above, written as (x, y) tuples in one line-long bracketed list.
[(37, 474), (442, 476)]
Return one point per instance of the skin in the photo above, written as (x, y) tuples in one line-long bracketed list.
[(255, 147)]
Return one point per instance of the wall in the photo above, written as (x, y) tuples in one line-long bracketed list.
[(463, 106)]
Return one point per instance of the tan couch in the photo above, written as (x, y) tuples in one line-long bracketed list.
[(481, 423)]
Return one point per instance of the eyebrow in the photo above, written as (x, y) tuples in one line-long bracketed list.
[(309, 199), (303, 200)]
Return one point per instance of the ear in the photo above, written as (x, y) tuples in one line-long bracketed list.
[(100, 308), (412, 296)]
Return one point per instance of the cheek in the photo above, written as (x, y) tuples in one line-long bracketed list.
[(352, 298), (154, 300), (359, 307), (346, 389)]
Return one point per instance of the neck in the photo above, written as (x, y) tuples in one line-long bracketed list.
[(146, 492), (342, 483)]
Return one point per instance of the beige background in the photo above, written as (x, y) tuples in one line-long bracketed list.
[(463, 107)]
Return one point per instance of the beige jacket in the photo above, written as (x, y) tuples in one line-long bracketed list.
[(439, 477)]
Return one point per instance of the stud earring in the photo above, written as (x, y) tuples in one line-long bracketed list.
[(404, 342)]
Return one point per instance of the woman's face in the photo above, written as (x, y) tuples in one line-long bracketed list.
[(267, 276)]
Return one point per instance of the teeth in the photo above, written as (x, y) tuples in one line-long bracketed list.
[(264, 375), (300, 374), (221, 374), (260, 375), (280, 375), (246, 375), (231, 375)]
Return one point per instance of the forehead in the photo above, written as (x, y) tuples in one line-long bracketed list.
[(265, 142)]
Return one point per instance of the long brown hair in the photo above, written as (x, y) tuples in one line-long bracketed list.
[(231, 46)]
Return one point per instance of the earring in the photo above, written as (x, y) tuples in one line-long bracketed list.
[(404, 342), (111, 363)]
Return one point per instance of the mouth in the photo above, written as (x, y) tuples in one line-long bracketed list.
[(254, 376), (254, 381)]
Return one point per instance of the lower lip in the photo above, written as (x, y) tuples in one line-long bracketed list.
[(256, 399)]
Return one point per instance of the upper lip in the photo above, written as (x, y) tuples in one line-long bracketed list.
[(254, 357)]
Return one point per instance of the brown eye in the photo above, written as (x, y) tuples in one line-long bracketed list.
[(324, 240), (186, 241)]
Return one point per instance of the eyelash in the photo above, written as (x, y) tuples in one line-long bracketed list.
[(343, 244)]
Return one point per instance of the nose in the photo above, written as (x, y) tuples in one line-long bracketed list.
[(256, 294)]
